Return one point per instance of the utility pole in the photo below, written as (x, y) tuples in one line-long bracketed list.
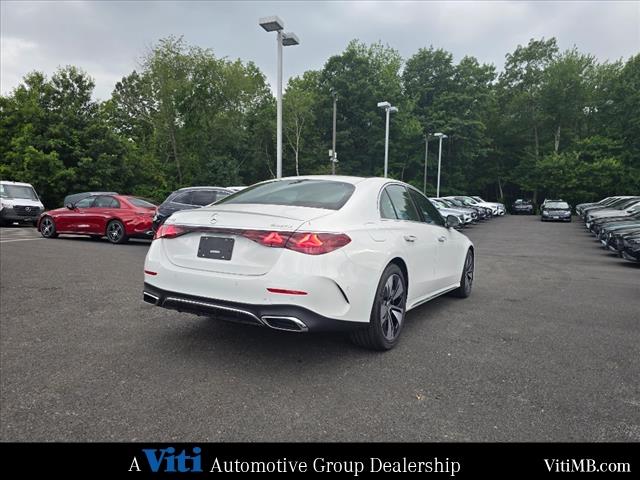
[(334, 155), (388, 109), (441, 136)]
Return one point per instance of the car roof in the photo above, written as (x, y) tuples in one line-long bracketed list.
[(9, 182), (89, 194), (184, 189)]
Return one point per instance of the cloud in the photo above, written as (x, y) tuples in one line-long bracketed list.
[(108, 38)]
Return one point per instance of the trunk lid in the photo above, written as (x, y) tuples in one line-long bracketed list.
[(247, 256)]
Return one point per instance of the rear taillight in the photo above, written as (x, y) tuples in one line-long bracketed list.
[(306, 242), (170, 231), (267, 238), (317, 243)]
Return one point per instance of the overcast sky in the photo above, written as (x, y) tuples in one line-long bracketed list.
[(108, 38)]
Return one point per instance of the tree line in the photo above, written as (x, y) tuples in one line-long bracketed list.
[(551, 124)]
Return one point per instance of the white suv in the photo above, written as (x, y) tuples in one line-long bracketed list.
[(19, 203)]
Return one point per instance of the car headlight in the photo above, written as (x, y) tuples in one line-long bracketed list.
[(546, 214)]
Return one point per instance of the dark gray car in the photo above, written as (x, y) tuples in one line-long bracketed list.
[(188, 198)]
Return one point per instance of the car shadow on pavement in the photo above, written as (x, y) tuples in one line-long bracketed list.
[(81, 238), (217, 340), (629, 264)]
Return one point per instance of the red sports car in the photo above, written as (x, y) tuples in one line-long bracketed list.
[(118, 217)]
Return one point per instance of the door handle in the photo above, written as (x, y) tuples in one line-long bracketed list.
[(442, 239), (410, 238)]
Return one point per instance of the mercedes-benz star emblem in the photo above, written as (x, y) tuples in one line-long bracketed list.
[(213, 218)]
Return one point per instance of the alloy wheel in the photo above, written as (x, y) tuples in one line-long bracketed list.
[(468, 271), (47, 227), (114, 231), (392, 307)]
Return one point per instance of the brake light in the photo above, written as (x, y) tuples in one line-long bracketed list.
[(169, 231), (267, 238), (306, 242), (317, 243)]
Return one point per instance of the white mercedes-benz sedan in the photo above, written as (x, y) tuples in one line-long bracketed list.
[(311, 254)]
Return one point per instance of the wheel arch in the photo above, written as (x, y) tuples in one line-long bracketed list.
[(402, 266)]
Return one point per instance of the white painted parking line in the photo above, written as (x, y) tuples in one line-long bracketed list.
[(20, 240)]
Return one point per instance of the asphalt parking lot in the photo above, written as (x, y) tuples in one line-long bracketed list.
[(546, 348)]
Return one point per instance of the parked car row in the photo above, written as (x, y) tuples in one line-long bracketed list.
[(469, 210), (114, 216), (615, 222)]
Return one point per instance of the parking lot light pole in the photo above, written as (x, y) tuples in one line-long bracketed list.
[(275, 24), (441, 136), (427, 136), (334, 156), (388, 109)]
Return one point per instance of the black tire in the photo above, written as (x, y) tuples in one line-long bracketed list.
[(115, 232), (466, 280), (387, 314), (48, 228), (3, 223)]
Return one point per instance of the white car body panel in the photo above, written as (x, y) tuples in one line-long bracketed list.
[(434, 259)]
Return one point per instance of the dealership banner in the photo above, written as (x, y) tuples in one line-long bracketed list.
[(453, 460)]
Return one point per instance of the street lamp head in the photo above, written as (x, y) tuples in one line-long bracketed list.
[(439, 135), (271, 24), (393, 109), (384, 104), (289, 39)]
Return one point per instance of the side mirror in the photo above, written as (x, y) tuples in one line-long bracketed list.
[(452, 221), (70, 206)]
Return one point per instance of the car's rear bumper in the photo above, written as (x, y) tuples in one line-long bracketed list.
[(291, 318), (332, 285)]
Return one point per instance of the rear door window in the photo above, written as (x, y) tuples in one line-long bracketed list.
[(86, 202), (386, 207), (428, 211), (106, 202), (402, 204)]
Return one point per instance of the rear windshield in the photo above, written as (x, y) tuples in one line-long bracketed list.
[(18, 191), (301, 192), (138, 202), (559, 205)]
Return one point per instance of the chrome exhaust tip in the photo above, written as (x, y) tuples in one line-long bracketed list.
[(288, 324), (149, 298)]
